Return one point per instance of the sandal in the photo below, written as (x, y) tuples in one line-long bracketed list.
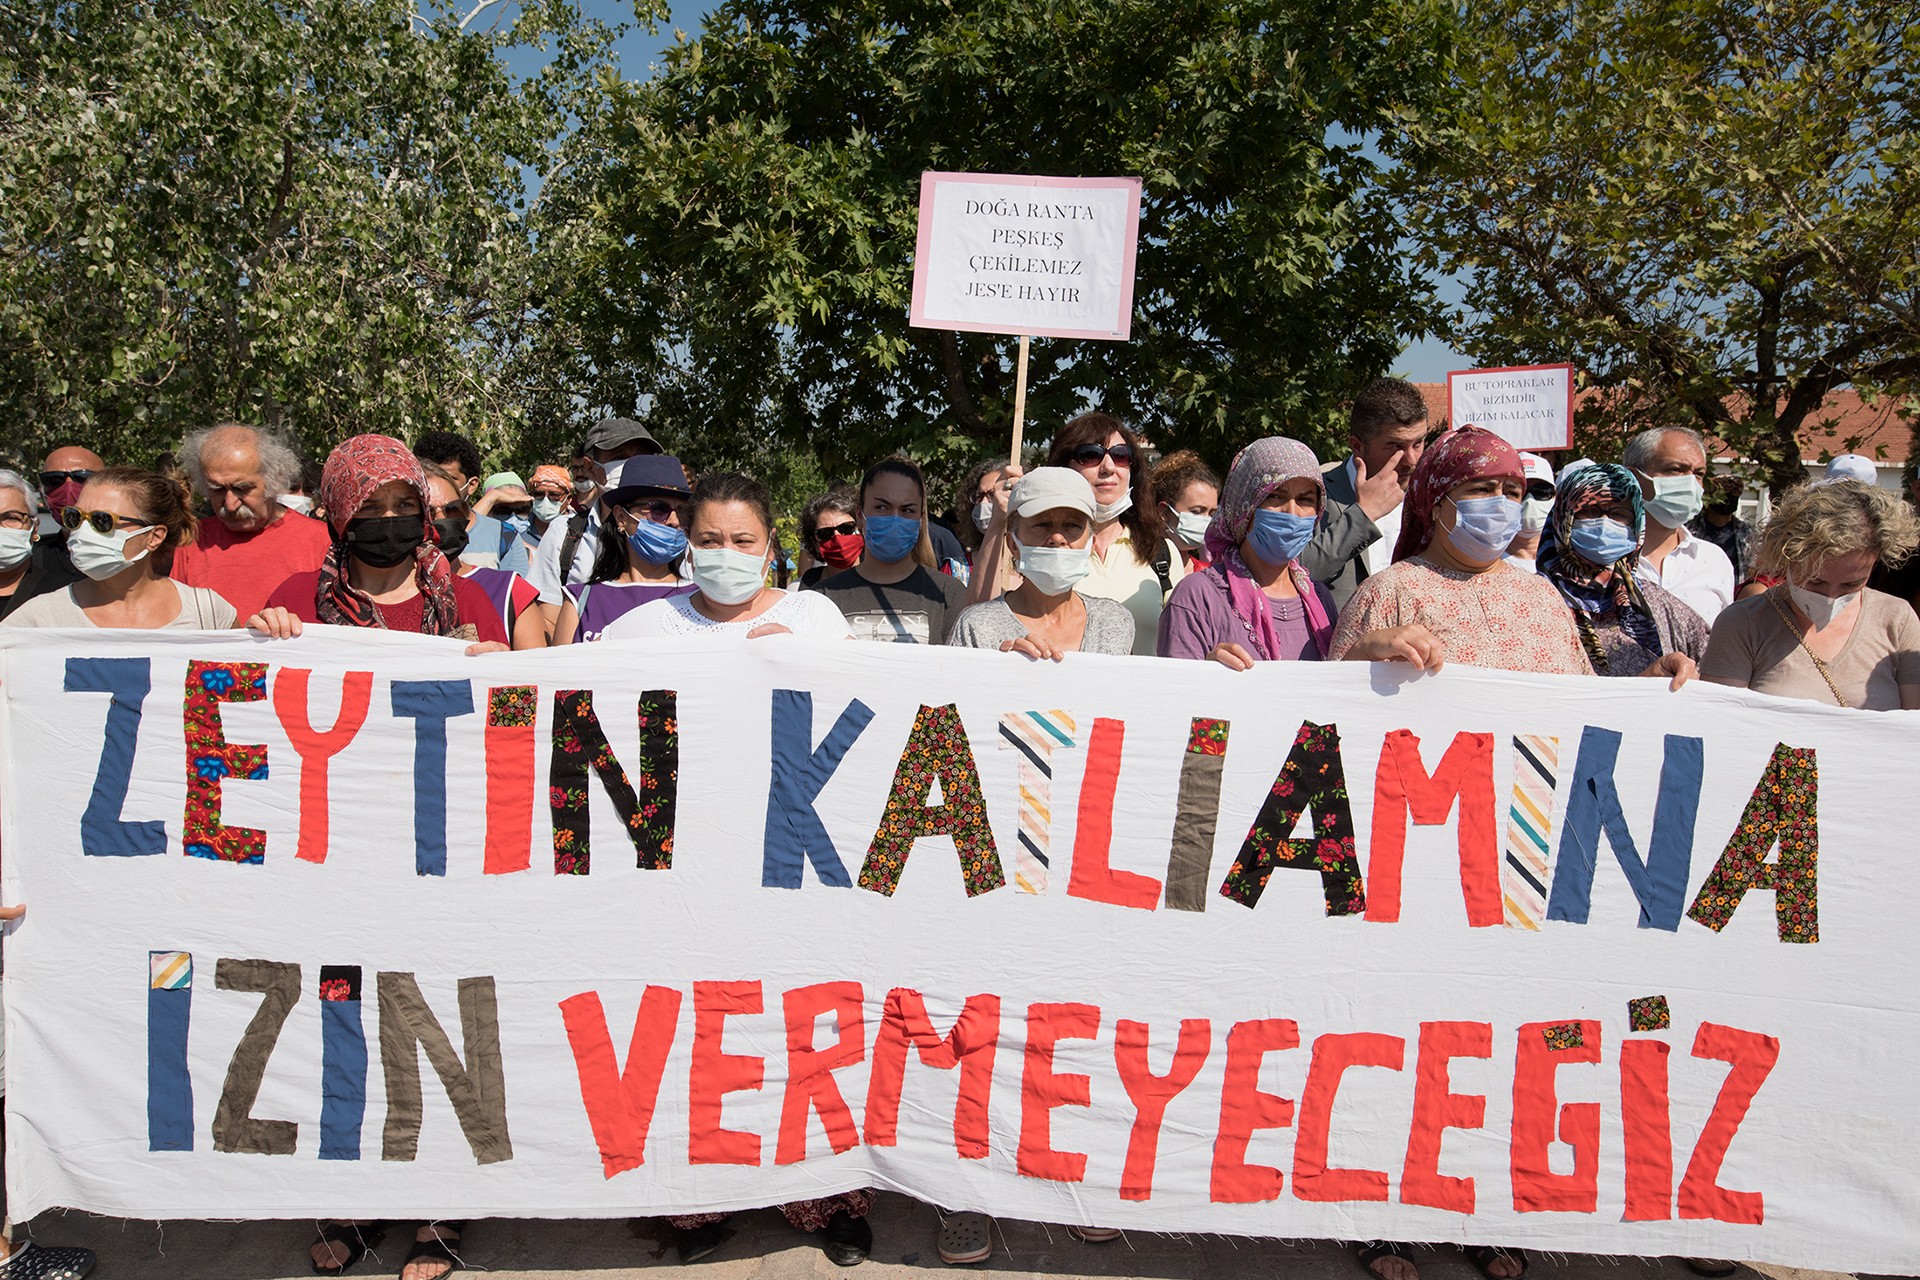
[(31, 1261), (438, 1249), (1483, 1256), (1094, 1235), (966, 1238), (1712, 1268), (358, 1240), (1378, 1249)]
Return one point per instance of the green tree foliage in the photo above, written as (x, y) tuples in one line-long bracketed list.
[(308, 215), (739, 230), (1711, 207)]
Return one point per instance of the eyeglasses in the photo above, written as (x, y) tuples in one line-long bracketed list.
[(103, 522), (657, 510), (15, 520), (837, 530), (54, 479), (1089, 455), (1539, 490)]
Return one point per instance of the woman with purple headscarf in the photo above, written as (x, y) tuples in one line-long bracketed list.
[(1254, 602)]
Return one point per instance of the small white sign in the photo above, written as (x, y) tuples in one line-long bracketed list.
[(1009, 253), (1530, 407)]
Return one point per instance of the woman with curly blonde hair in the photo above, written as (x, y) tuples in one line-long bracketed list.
[(1822, 634)]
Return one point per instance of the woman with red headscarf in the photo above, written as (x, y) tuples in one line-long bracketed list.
[(1449, 596), (383, 569)]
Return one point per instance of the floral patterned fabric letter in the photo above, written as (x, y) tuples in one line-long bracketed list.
[(211, 758), (1311, 779), (580, 743), (936, 751), (1782, 811)]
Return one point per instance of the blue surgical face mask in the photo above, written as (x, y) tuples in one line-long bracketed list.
[(1483, 528), (518, 523), (1278, 537), (657, 543), (1602, 540), (891, 539)]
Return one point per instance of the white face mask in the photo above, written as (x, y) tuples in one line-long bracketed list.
[(982, 514), (726, 576), (1675, 500), (1533, 515), (1107, 513), (1820, 610), (297, 502), (1054, 571), (102, 555), (545, 509), (1190, 529), (16, 547)]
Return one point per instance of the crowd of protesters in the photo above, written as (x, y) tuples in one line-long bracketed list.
[(1417, 547)]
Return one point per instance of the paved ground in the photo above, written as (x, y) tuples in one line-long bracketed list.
[(766, 1248)]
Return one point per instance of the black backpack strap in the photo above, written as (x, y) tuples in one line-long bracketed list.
[(576, 528), (1163, 567)]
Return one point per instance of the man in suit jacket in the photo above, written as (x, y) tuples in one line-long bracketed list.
[(1387, 432)]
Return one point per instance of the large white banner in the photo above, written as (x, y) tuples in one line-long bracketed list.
[(355, 925)]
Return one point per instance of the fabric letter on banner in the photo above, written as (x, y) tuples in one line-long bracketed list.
[(1332, 1055), (1436, 1108), (1660, 883), (1042, 1089), (969, 1045), (1311, 779), (1403, 792), (1093, 876), (477, 1090), (1647, 1127), (794, 833), (1197, 816), (659, 779), (1538, 1114), (579, 743), (234, 1126), (936, 752), (169, 1083), (430, 704), (1782, 811), (1523, 877), (211, 758), (1245, 1108), (1751, 1057), (1151, 1094), (1034, 734), (811, 1088), (343, 1062), (102, 833), (712, 1075), (512, 711), (620, 1103), (316, 749)]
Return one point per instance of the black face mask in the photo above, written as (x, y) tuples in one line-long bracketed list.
[(385, 541), (451, 537)]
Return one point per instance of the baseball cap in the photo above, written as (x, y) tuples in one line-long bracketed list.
[(1050, 488), (1536, 467), (499, 478), (611, 433), (1852, 466), (650, 473)]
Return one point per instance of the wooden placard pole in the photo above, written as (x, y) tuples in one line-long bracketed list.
[(1019, 402)]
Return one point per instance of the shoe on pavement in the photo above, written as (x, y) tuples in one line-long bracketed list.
[(846, 1240), (966, 1238), (46, 1262)]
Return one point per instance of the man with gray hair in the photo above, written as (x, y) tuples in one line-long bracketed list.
[(253, 543), (1672, 465)]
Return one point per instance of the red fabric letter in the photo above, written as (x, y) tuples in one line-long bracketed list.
[(1646, 1125), (1402, 790), (620, 1103), (969, 1045), (1436, 1108), (1332, 1055), (1244, 1108), (1536, 1188), (1092, 877), (810, 1083), (1042, 1089), (510, 750), (1152, 1093), (1752, 1057), (714, 1075), (317, 749)]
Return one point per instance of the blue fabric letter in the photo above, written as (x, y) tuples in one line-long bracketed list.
[(169, 1010), (1660, 883), (794, 830), (102, 833), (343, 1063), (430, 704)]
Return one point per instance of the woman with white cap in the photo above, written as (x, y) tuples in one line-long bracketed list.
[(1535, 502), (1049, 532)]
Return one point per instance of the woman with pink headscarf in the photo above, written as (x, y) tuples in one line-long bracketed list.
[(1449, 596), (383, 569), (1254, 602)]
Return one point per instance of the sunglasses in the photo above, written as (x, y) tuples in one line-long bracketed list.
[(837, 530), (1089, 455), (655, 510), (54, 479), (104, 522), (1539, 490)]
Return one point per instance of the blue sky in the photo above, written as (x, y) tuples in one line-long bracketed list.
[(640, 50)]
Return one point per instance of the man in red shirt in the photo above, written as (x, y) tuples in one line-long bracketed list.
[(252, 544)]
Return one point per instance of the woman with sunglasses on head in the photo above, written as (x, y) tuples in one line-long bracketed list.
[(1254, 602), (642, 503), (1134, 562), (830, 534), (123, 527), (894, 594), (383, 570), (514, 598)]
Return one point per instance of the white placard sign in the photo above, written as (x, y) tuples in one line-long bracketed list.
[(1530, 407), (1008, 253)]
